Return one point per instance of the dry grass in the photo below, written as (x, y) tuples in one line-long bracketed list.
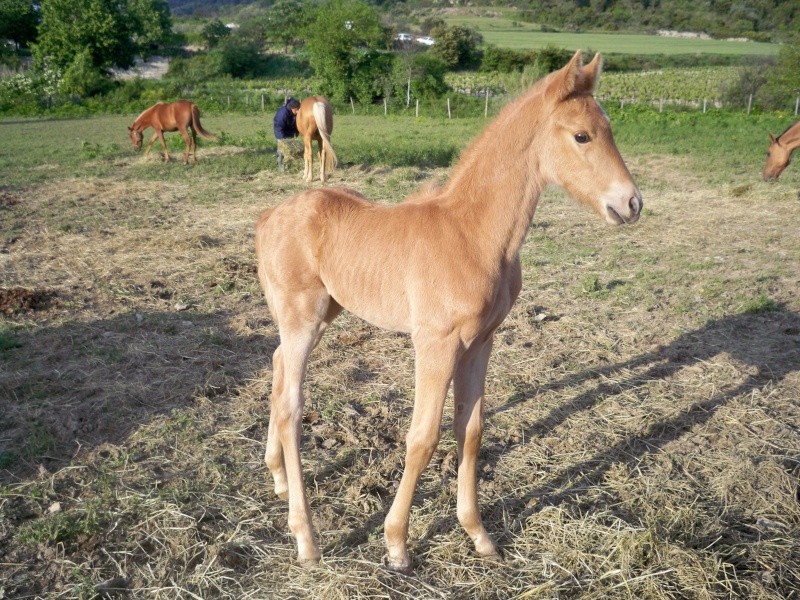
[(642, 436)]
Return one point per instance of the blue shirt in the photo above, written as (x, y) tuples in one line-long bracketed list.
[(284, 123)]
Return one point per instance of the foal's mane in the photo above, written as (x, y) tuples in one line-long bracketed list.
[(499, 142), (145, 113)]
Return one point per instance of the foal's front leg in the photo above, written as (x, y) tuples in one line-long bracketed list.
[(468, 396), (435, 359)]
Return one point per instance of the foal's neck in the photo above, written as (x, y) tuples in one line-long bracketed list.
[(791, 137), (142, 122), (496, 185)]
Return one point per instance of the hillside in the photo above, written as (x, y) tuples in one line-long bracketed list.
[(762, 20)]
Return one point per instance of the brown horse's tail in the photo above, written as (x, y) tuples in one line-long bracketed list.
[(323, 115), (196, 124)]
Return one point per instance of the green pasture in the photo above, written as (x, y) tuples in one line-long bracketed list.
[(729, 144), (504, 32)]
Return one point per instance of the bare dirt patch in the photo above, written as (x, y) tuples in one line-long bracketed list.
[(642, 426)]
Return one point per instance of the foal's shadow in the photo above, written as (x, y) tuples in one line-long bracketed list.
[(767, 344)]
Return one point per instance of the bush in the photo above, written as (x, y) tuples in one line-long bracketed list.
[(503, 60), (426, 74), (83, 78)]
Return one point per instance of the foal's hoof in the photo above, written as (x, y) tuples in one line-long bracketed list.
[(308, 563), (402, 567), (494, 557)]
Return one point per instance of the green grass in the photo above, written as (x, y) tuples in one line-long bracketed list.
[(504, 32), (35, 151)]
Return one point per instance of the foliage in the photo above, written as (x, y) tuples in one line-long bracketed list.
[(744, 86), (195, 69), (286, 21), (783, 80), (345, 42), (504, 60), (456, 46), (214, 32), (17, 21), (423, 72), (240, 57), (756, 19), (82, 77), (110, 32)]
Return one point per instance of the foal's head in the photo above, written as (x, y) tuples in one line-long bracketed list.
[(778, 158), (136, 138), (580, 154)]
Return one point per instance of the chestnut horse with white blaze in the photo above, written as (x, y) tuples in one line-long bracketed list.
[(779, 153), (183, 116), (443, 267), (315, 122)]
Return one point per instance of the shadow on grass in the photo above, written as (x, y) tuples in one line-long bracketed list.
[(767, 342), (78, 385)]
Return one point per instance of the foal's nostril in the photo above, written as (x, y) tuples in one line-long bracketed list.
[(635, 204)]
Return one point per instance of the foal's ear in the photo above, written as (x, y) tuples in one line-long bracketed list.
[(567, 80), (591, 73), (130, 127), (773, 139)]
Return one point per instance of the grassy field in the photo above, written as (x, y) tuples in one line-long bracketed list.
[(642, 426), (506, 32)]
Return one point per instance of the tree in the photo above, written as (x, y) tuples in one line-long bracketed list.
[(109, 32), (214, 32), (17, 22), (457, 46), (286, 21), (347, 46), (783, 80), (240, 57), (423, 72)]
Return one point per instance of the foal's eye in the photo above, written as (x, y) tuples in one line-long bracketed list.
[(582, 137)]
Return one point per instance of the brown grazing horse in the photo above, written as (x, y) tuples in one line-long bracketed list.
[(183, 116), (779, 153), (315, 122), (444, 267)]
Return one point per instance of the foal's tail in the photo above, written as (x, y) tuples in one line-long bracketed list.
[(196, 124), (323, 115)]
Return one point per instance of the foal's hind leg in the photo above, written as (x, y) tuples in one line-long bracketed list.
[(308, 160), (322, 174), (188, 142), (302, 319)]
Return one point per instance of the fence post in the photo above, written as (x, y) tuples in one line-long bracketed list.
[(448, 109), (704, 105), (486, 105), (417, 114), (796, 105), (262, 102), (749, 103), (661, 105), (408, 93), (384, 107), (352, 105)]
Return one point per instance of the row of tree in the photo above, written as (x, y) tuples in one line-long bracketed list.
[(344, 43)]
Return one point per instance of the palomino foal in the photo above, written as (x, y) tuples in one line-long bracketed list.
[(443, 267), (779, 153), (315, 122)]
